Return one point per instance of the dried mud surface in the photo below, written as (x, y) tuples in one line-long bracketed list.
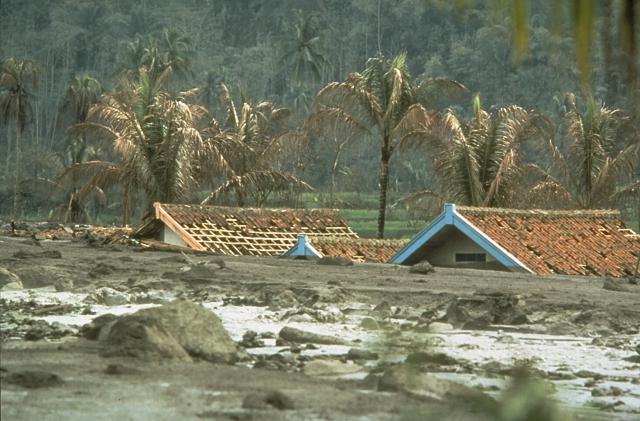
[(88, 385)]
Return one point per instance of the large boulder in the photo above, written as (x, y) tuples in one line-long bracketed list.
[(9, 280), (196, 331)]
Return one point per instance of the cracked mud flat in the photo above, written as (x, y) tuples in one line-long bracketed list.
[(571, 331)]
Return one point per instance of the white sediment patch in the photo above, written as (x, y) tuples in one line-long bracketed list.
[(551, 353)]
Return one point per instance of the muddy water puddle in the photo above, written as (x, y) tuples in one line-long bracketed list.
[(563, 357)]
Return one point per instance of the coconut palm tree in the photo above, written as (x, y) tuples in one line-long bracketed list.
[(302, 52), (17, 78), (253, 140), (155, 137), (82, 92), (589, 168), (478, 163), (382, 102), (172, 50)]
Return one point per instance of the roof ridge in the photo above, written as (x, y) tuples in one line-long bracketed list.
[(337, 239), (249, 209), (606, 213)]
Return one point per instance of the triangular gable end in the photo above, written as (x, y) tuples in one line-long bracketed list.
[(302, 248), (451, 218), (173, 229)]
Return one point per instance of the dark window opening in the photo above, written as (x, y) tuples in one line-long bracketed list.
[(471, 257)]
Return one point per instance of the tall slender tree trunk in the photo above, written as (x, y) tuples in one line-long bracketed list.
[(125, 206), (16, 187), (383, 183), (334, 170)]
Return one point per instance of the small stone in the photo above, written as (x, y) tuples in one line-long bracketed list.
[(268, 399), (108, 296), (369, 323), (250, 340), (334, 261), (439, 327), (430, 358), (119, 369), (361, 354), (422, 268), (325, 367)]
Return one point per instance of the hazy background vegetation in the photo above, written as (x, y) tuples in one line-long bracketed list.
[(284, 52)]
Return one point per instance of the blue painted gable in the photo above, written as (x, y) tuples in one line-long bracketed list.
[(451, 218)]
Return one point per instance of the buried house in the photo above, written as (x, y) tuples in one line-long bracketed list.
[(240, 231), (360, 250), (585, 242)]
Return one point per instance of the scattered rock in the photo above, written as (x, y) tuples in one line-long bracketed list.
[(176, 330), (383, 309), (334, 261), (9, 280), (268, 399), (326, 367), (430, 358), (506, 339), (587, 373), (369, 323), (101, 269), (93, 329), (439, 327), (119, 370), (603, 391), (291, 334), (361, 354), (407, 379), (486, 308), (47, 254), (561, 328), (612, 284), (250, 340), (284, 299), (422, 268), (33, 379), (108, 297), (199, 273), (41, 329), (38, 276)]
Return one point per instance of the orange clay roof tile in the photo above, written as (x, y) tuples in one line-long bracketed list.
[(249, 231), (358, 249), (563, 242)]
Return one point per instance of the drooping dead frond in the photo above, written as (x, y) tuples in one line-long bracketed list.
[(361, 105)]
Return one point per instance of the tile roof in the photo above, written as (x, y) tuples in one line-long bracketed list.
[(563, 242), (358, 249), (249, 231)]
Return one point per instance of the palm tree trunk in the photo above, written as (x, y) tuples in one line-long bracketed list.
[(334, 170), (125, 206), (383, 183), (16, 187)]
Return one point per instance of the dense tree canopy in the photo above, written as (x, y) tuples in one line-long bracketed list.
[(517, 55)]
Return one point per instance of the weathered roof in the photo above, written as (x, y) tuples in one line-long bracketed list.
[(249, 231), (580, 242), (362, 250)]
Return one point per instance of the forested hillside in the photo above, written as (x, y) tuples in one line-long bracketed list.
[(258, 67)]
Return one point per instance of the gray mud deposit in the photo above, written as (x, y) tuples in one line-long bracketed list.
[(264, 338)]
